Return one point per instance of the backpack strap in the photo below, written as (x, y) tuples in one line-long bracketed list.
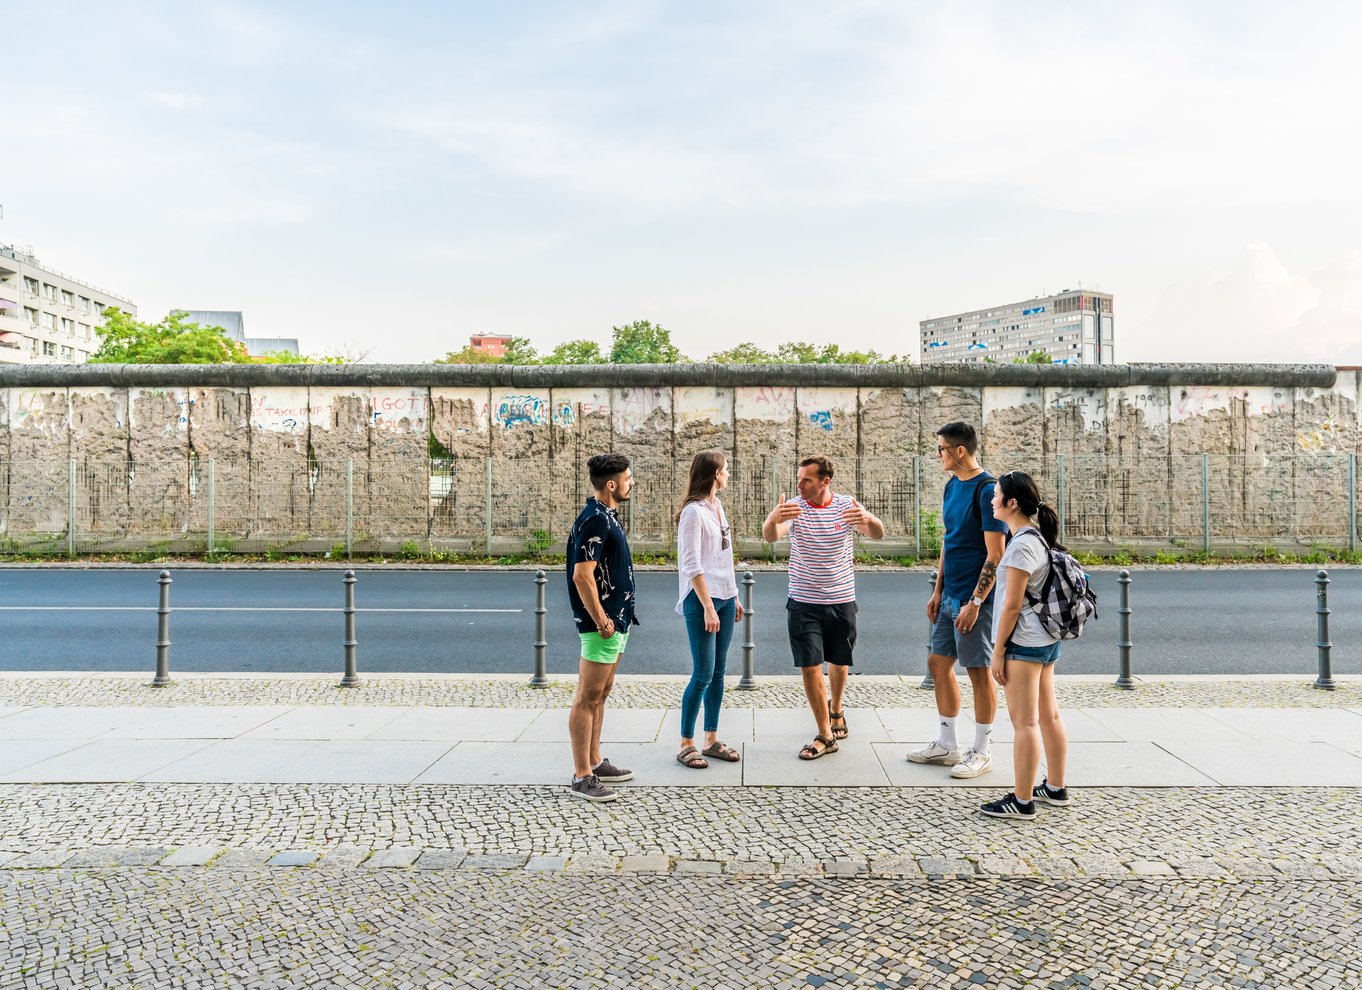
[(983, 478)]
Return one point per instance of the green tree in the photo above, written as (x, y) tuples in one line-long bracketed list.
[(643, 343), (576, 352), (802, 352), (744, 353), (175, 340), (1035, 357), (519, 350), (288, 357)]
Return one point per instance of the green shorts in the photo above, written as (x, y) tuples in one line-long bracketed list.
[(599, 650)]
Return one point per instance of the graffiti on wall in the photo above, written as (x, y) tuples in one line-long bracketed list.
[(521, 410), (1321, 437), (822, 419)]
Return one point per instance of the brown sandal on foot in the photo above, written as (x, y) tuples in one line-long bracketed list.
[(690, 757), (721, 752), (838, 731), (812, 752)]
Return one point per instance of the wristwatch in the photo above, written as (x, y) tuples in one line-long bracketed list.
[(977, 602)]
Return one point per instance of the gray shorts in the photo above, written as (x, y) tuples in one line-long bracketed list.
[(971, 649)]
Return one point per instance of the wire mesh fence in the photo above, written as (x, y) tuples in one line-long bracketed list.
[(1198, 502)]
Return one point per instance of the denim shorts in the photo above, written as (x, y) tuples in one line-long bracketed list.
[(971, 649), (1036, 654)]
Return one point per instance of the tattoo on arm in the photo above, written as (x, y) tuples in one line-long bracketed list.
[(986, 577)]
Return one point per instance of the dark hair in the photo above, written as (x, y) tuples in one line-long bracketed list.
[(1020, 486), (704, 468), (960, 435), (606, 467), (824, 465)]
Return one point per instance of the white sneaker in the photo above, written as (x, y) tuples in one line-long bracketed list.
[(934, 752), (972, 764)]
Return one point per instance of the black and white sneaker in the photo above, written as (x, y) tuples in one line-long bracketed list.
[(590, 788), (1008, 806), (610, 773), (1056, 796)]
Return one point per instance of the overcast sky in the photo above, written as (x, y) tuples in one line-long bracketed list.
[(398, 176)]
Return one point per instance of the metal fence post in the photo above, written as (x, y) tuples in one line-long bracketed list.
[(1206, 505), (748, 680), (212, 502), (1325, 679), (351, 678), (541, 675), (1123, 680), (349, 508), (1060, 496), (70, 508), (1352, 503), (929, 682), (917, 506), (162, 678), (488, 508)]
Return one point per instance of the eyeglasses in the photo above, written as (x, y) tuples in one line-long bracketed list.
[(724, 545), (941, 450)]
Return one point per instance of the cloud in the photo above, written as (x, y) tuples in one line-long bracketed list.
[(176, 101)]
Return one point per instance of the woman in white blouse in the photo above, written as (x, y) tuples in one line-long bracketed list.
[(708, 601)]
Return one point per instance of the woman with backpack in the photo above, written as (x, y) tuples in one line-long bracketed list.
[(1025, 651)]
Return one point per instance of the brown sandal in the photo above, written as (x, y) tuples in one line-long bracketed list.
[(721, 752), (838, 731), (690, 757), (812, 752)]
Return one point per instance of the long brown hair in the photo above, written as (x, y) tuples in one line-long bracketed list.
[(704, 468)]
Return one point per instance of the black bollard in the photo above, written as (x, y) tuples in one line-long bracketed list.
[(351, 678), (162, 678), (1124, 681), (1324, 681), (748, 681), (540, 677), (928, 682)]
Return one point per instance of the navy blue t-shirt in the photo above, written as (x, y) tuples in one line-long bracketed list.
[(966, 512), (597, 535)]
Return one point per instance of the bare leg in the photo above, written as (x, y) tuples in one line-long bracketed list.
[(598, 718), (818, 697), (1052, 731), (1023, 689), (837, 685), (985, 695), (947, 690), (593, 684)]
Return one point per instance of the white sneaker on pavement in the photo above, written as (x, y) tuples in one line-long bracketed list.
[(972, 764), (934, 752)]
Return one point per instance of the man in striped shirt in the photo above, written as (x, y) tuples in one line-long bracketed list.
[(821, 610)]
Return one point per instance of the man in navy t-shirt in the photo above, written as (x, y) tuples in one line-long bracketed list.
[(961, 606)]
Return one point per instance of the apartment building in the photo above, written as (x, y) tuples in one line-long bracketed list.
[(47, 317), (1076, 326)]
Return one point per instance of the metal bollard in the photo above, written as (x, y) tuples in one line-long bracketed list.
[(1325, 680), (748, 681), (928, 682), (162, 678), (1124, 681), (541, 643), (351, 678)]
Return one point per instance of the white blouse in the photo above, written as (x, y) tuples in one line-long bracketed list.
[(700, 550)]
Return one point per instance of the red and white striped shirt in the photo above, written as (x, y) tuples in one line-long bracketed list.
[(821, 551)]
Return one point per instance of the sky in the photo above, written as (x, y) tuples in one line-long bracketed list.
[(392, 178)]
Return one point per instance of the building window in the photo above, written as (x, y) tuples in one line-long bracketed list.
[(30, 285), (49, 320), (31, 315), (68, 326), (68, 298), (85, 331), (67, 354), (49, 349), (84, 305), (99, 306), (49, 292)]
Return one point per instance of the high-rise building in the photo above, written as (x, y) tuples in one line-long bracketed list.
[(233, 322), (1072, 327), (47, 317)]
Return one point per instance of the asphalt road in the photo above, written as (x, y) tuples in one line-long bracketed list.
[(1184, 622)]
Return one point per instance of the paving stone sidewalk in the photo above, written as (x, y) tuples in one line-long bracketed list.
[(411, 929), (645, 691)]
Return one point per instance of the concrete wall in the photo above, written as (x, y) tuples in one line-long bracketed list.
[(285, 444)]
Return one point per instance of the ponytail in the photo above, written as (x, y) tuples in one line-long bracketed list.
[(1021, 486)]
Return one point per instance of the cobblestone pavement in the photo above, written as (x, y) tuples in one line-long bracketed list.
[(870, 691), (300, 928), (1220, 832)]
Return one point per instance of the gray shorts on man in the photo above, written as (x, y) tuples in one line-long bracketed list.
[(970, 649)]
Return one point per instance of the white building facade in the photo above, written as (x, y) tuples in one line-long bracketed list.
[(1072, 327), (47, 317)]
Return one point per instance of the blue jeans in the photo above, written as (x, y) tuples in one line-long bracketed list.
[(708, 657)]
